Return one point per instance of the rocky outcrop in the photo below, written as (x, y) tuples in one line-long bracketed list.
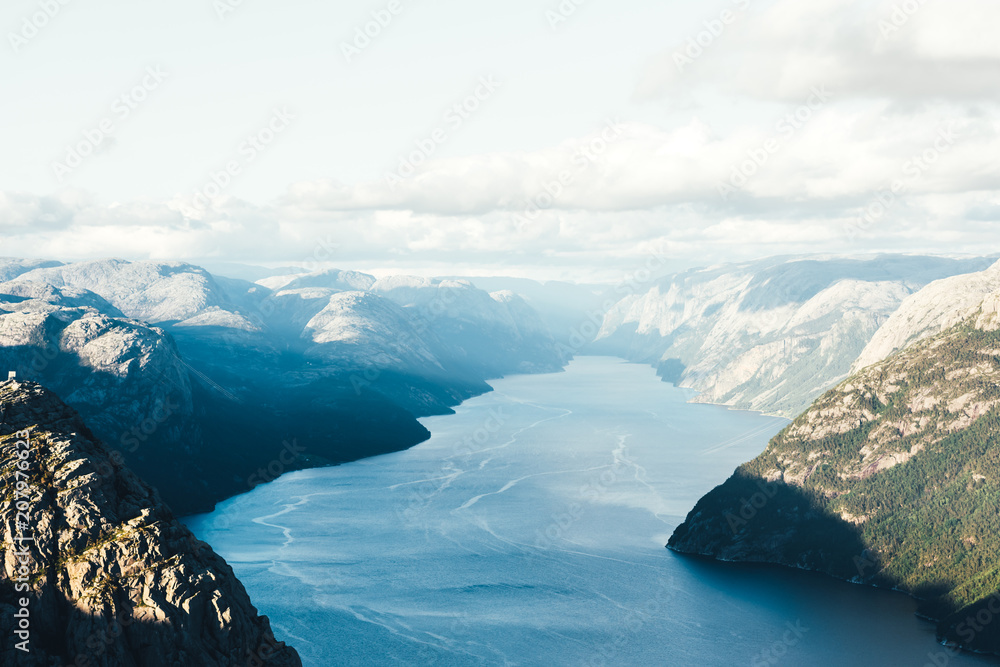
[(107, 575)]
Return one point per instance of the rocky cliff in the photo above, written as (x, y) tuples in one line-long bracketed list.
[(770, 335), (892, 478), (942, 304), (96, 569)]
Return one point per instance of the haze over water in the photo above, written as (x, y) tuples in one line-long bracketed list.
[(530, 530)]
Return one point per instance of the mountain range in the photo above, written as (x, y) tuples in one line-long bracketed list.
[(769, 335), (209, 385), (891, 478)]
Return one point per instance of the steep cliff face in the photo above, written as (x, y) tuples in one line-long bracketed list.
[(770, 335), (940, 305), (96, 569), (892, 478)]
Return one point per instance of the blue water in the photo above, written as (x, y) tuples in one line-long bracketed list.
[(530, 530)]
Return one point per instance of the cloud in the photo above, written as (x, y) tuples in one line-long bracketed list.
[(23, 214), (807, 159), (898, 49), (577, 244), (850, 126)]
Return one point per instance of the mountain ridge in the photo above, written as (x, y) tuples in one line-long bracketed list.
[(165, 358), (769, 335)]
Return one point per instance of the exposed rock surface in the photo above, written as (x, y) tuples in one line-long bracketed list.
[(149, 291), (940, 305), (112, 578), (770, 335), (11, 267)]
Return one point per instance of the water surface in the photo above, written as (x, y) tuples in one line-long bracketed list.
[(530, 530)]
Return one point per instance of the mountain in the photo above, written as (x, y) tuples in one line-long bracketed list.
[(566, 309), (769, 335), (154, 292), (482, 333), (105, 574), (940, 305), (892, 478), (11, 267), (248, 272), (123, 375), (210, 385)]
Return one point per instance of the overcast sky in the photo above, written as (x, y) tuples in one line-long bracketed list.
[(582, 142)]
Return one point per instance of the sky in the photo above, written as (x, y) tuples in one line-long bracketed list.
[(570, 139)]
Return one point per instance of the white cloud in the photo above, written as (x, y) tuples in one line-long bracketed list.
[(897, 73), (900, 49), (837, 157), (647, 187)]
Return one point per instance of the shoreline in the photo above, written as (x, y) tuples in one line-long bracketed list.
[(775, 565)]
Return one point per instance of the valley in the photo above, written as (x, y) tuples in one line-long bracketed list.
[(211, 388)]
